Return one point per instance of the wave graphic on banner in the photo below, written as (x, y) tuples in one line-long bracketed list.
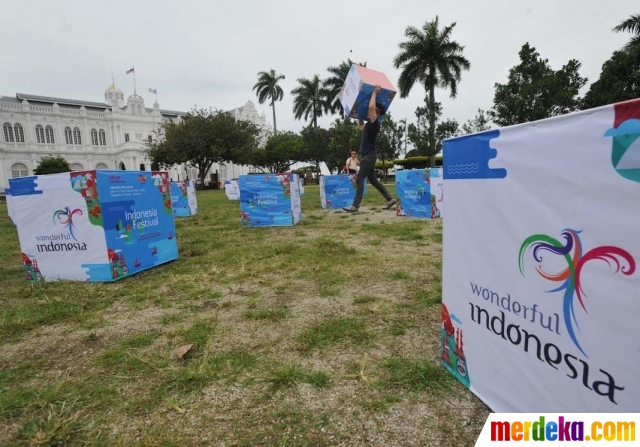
[(468, 157)]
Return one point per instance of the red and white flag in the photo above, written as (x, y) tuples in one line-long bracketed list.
[(130, 71)]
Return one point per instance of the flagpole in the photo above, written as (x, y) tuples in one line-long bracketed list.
[(135, 92)]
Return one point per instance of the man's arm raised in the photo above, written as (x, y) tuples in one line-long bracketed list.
[(373, 115)]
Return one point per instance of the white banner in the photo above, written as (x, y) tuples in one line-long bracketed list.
[(541, 293)]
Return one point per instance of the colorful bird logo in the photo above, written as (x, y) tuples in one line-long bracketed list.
[(569, 279), (65, 217)]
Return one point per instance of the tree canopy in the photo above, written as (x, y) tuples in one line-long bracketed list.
[(279, 153), (202, 138), (52, 165), (619, 81), (535, 91)]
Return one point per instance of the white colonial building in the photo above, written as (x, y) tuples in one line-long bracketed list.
[(93, 135)]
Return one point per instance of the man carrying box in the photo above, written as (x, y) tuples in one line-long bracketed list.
[(369, 155)]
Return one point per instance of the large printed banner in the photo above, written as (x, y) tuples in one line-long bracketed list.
[(338, 191), (541, 289), (269, 200), (93, 225)]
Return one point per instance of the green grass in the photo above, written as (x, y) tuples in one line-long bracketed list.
[(301, 336)]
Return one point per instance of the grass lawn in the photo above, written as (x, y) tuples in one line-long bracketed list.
[(325, 333)]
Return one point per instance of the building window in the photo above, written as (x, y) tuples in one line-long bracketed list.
[(19, 170), (126, 137), (150, 139), (68, 136), (94, 137), (77, 137), (19, 133), (76, 167), (8, 133), (143, 167), (49, 133), (103, 138), (101, 166), (39, 134)]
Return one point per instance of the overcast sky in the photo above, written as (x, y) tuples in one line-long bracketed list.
[(208, 52)]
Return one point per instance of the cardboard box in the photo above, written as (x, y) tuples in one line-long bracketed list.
[(338, 191), (183, 198), (420, 193), (232, 190), (357, 90), (269, 200), (93, 225)]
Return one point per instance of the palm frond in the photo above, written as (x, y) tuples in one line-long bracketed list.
[(631, 25)]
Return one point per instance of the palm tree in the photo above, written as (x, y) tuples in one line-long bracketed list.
[(334, 83), (309, 99), (267, 88), (631, 25), (431, 58)]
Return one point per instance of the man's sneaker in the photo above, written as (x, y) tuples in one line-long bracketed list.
[(351, 209), (390, 205)]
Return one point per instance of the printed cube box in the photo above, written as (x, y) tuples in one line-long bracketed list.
[(93, 225), (338, 191), (358, 87), (183, 198), (269, 200), (7, 192), (420, 193), (232, 190)]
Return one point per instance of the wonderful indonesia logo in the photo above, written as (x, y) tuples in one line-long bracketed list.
[(63, 241), (527, 327)]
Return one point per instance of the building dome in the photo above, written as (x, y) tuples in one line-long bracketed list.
[(114, 96), (113, 88)]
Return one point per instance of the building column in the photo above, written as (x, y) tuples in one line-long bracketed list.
[(4, 179)]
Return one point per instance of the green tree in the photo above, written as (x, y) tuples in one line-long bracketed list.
[(267, 88), (619, 81), (431, 58), (446, 129), (335, 82), (279, 153), (310, 100), (316, 144), (420, 133), (479, 123), (202, 138), (52, 165), (535, 91), (344, 137), (389, 141), (631, 25)]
